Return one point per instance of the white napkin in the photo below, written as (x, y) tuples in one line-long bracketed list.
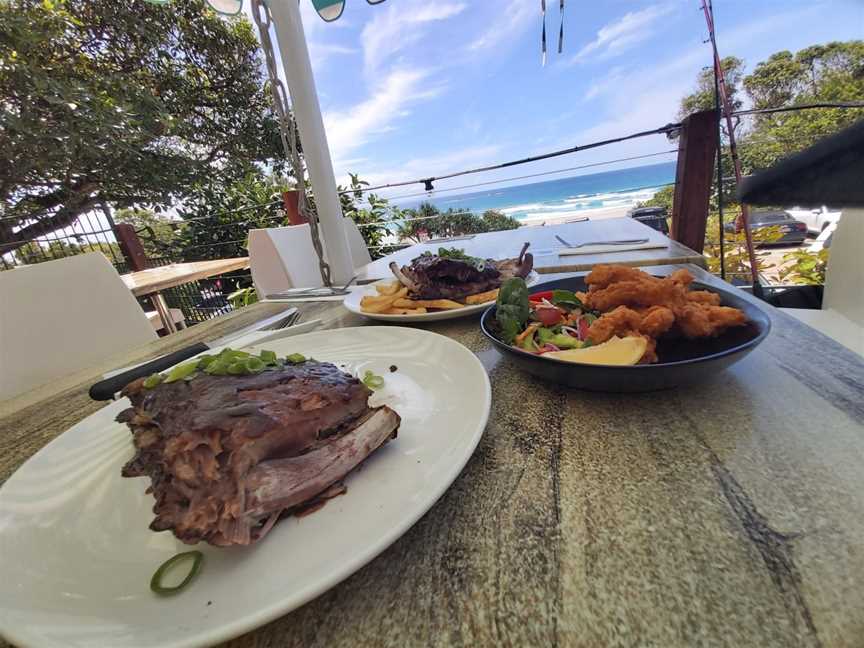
[(601, 249)]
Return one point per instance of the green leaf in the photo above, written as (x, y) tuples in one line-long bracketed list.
[(512, 308)]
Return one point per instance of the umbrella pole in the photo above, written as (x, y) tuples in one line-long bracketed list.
[(304, 100)]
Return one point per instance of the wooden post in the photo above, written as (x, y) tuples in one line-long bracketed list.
[(697, 147), (291, 202), (130, 246)]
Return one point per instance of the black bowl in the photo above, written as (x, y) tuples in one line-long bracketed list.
[(680, 362)]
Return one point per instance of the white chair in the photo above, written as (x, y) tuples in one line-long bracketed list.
[(62, 316), (359, 252), (842, 313), (283, 257)]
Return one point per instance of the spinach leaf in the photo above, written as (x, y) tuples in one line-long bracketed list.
[(567, 298), (512, 311)]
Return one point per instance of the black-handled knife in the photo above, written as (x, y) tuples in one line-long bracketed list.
[(105, 389)]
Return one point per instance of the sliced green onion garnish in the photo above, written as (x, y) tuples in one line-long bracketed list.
[(152, 380), (156, 582), (268, 357), (182, 371), (254, 365), (237, 368), (372, 381), (296, 358)]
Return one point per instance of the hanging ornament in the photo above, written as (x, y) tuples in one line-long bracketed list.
[(543, 34), (329, 10), (227, 7)]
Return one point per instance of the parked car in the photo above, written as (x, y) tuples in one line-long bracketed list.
[(794, 231), (815, 219), (653, 217)]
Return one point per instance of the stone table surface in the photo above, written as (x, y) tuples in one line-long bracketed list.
[(727, 513)]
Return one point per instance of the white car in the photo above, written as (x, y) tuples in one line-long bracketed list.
[(815, 219), (824, 239)]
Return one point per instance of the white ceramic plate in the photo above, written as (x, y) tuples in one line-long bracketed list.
[(352, 303), (76, 554)]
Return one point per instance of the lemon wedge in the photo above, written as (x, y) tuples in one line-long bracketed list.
[(615, 351)]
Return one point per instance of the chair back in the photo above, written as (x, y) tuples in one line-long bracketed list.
[(282, 258), (844, 278), (62, 316), (359, 252)]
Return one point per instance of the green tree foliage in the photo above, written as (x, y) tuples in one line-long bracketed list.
[(158, 232), (34, 252), (495, 221), (371, 212), (427, 221), (123, 102), (820, 73), (805, 267), (829, 73), (662, 198), (703, 97), (218, 219)]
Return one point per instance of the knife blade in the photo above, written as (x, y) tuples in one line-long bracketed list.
[(107, 387)]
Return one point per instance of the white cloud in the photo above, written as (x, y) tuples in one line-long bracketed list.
[(389, 101), (399, 25), (622, 34), (509, 22)]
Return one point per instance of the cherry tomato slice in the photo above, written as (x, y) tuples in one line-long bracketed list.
[(536, 297), (548, 316), (583, 328)]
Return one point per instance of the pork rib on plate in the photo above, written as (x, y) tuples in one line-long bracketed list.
[(228, 455), (452, 274)]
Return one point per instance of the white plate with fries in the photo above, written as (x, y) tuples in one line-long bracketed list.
[(388, 301)]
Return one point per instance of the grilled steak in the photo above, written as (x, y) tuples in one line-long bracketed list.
[(227, 455), (453, 276)]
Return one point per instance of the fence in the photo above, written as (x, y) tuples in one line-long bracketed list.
[(97, 232)]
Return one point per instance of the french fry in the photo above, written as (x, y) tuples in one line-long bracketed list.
[(388, 288), (482, 298), (380, 303), (440, 304), (405, 311)]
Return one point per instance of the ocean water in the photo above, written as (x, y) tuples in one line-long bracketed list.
[(563, 197)]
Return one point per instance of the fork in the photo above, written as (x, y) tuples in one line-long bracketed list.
[(587, 243), (313, 292), (284, 323)]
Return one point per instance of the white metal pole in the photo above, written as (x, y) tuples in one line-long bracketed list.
[(304, 100)]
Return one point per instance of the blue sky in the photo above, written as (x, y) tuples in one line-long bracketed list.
[(413, 88)]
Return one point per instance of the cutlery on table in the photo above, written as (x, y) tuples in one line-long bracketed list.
[(283, 325), (323, 291), (590, 243)]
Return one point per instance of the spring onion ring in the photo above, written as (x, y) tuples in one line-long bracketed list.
[(372, 381), (156, 582)]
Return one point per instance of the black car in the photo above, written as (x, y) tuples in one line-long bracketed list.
[(794, 231), (653, 217)]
